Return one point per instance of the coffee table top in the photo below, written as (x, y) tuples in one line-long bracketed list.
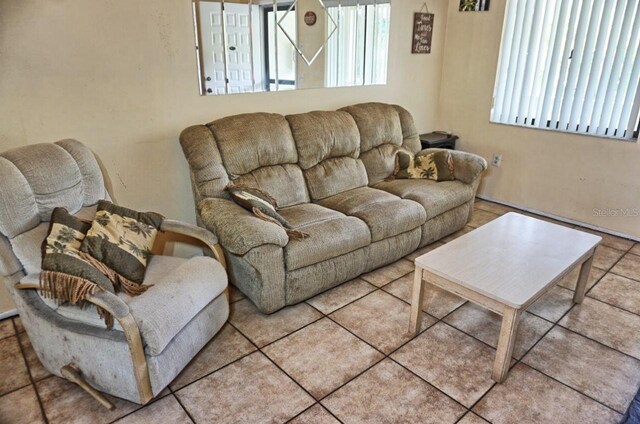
[(512, 259)]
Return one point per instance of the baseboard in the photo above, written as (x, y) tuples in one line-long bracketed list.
[(560, 218)]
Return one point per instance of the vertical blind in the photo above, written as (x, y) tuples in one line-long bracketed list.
[(570, 65), (357, 51)]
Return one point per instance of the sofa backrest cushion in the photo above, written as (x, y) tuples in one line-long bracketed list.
[(328, 146), (40, 177), (257, 149), (208, 175), (383, 130), (37, 178)]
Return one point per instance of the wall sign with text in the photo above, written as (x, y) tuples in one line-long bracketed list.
[(422, 32)]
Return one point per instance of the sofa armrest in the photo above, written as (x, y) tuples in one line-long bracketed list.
[(197, 233), (237, 229), (467, 166)]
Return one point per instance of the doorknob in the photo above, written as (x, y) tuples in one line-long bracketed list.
[(232, 48), (209, 90), (208, 78)]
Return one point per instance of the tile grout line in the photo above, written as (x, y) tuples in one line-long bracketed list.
[(346, 304), (437, 320), (442, 319), (598, 342), (376, 288), (385, 356), (26, 363), (138, 406), (307, 409), (388, 356), (211, 372), (259, 350), (186, 411), (282, 370), (556, 324), (287, 335)]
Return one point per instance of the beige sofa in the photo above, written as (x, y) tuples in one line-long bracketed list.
[(327, 171)]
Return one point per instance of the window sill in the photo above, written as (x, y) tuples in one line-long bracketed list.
[(567, 132)]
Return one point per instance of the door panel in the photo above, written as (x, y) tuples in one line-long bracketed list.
[(239, 64), (213, 54)]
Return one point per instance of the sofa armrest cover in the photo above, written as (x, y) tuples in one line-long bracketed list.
[(467, 166), (237, 229)]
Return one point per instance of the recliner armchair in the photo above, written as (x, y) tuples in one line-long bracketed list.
[(156, 334)]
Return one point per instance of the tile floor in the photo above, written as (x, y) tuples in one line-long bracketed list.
[(344, 356)]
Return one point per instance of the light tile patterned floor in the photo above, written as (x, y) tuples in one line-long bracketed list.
[(344, 356)]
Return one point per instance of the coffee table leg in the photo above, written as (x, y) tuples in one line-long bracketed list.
[(508, 333), (581, 286), (416, 302)]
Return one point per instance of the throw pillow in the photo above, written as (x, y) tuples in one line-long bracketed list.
[(437, 166), (264, 206), (119, 244), (65, 276)]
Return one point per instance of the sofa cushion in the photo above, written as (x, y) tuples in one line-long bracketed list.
[(386, 215), (208, 175), (328, 147), (435, 197), (252, 140), (27, 247), (322, 135), (410, 137), (284, 182), (335, 175), (175, 298), (328, 238), (308, 213), (384, 129), (378, 124), (258, 149)]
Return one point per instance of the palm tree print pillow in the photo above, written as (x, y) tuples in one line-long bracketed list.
[(119, 244), (65, 275), (436, 166)]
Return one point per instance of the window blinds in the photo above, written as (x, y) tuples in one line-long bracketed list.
[(570, 65)]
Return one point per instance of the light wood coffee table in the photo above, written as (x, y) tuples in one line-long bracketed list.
[(505, 266)]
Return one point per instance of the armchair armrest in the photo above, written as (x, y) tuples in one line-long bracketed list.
[(102, 298), (120, 311), (467, 166), (198, 233), (238, 229)]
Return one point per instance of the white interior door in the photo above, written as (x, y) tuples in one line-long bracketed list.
[(213, 54), (237, 26)]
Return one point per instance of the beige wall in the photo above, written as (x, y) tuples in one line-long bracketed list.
[(310, 39), (121, 76), (557, 173)]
